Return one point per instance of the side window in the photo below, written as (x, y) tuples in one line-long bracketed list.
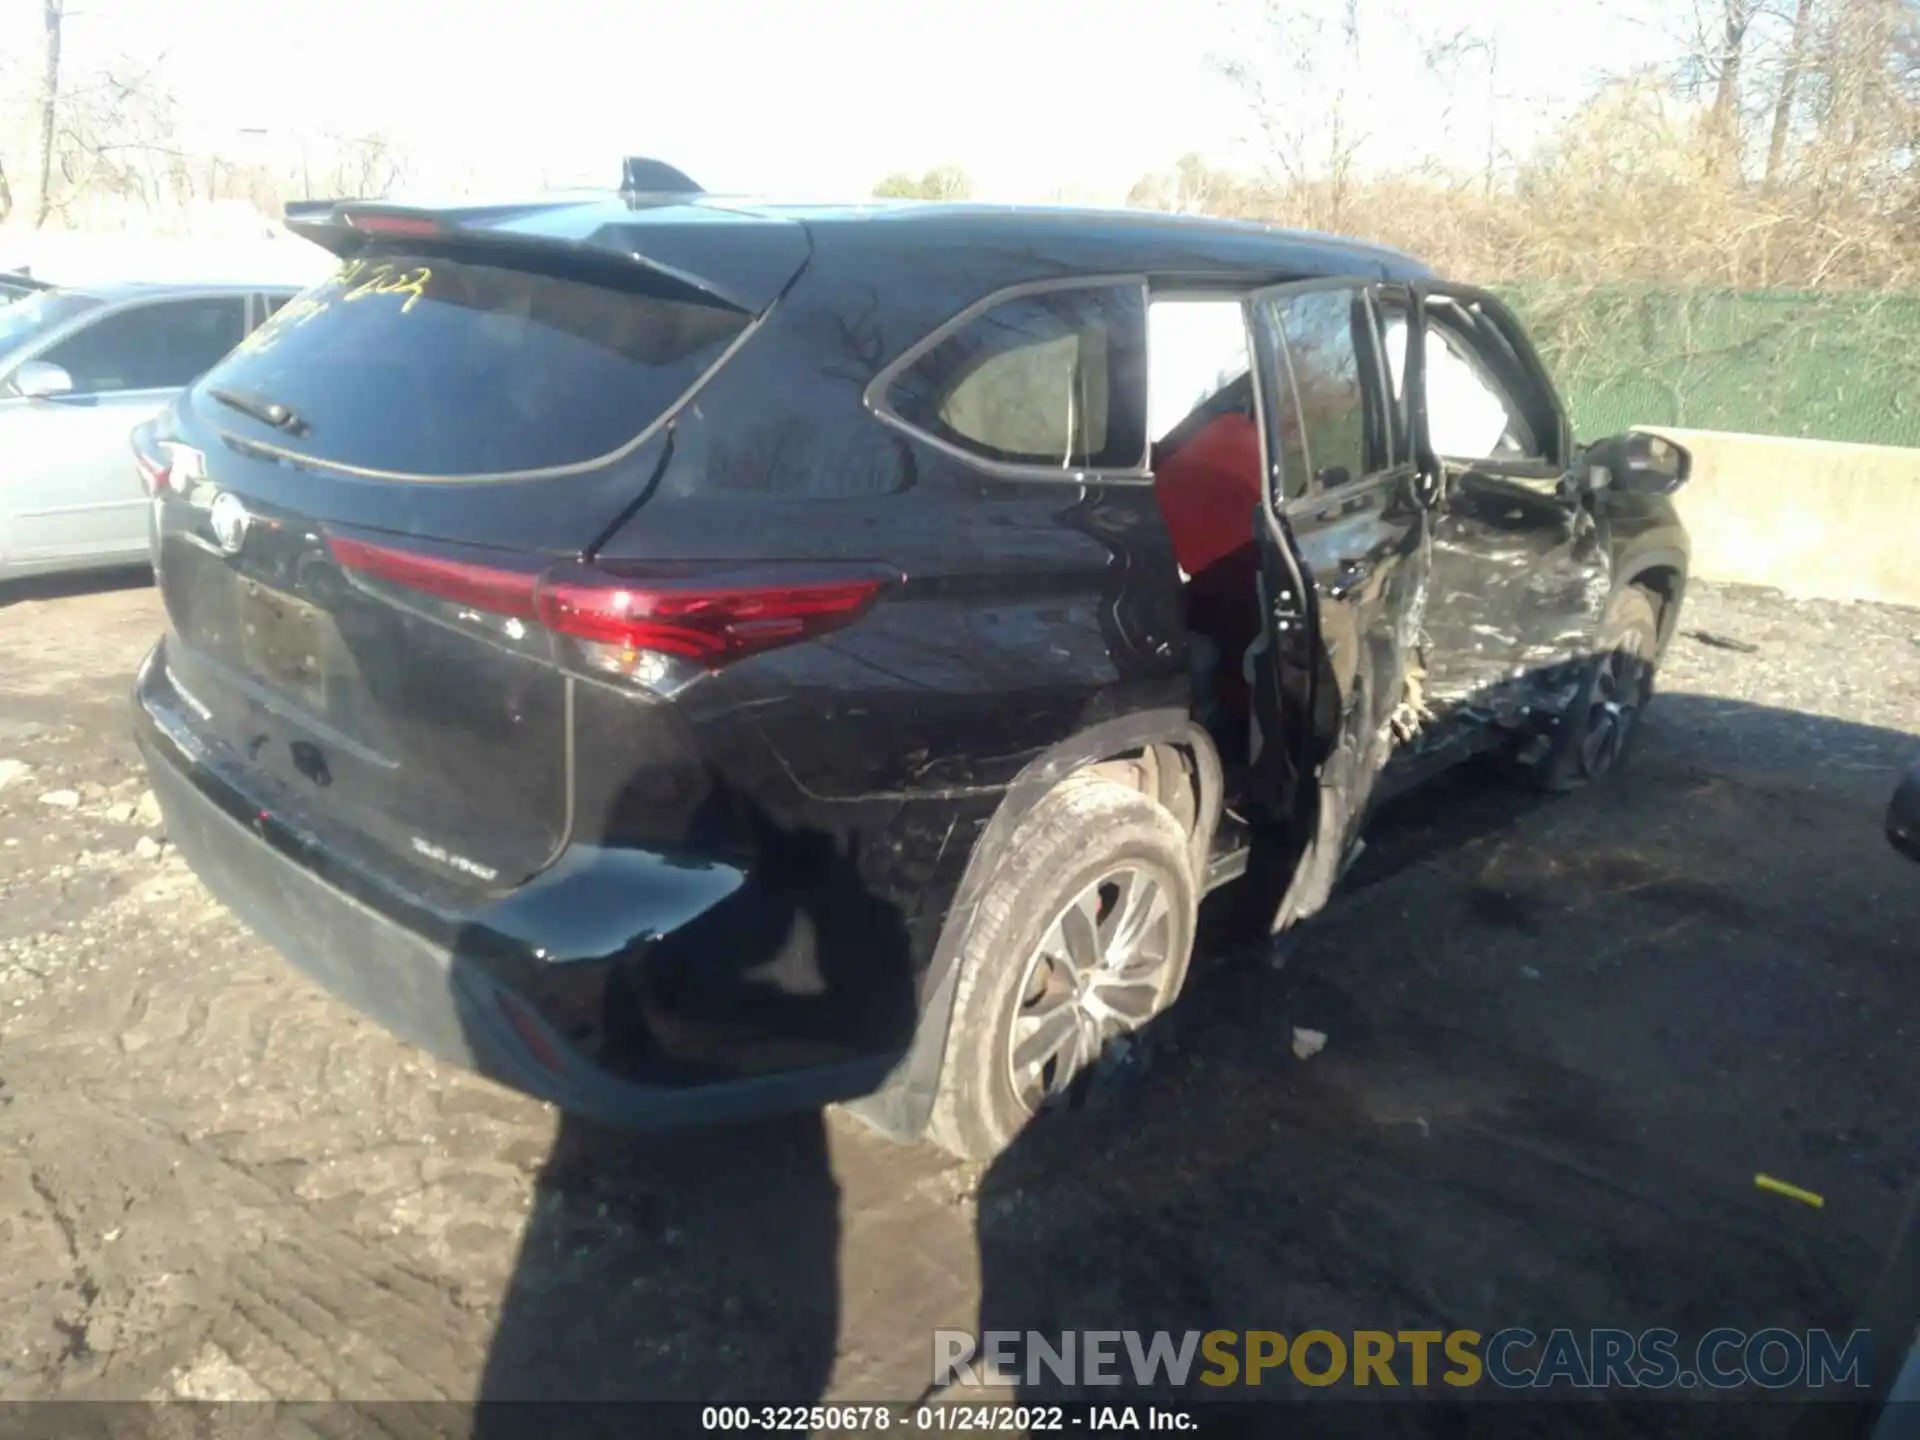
[(1055, 378), (1471, 413), (1286, 435), (164, 345), (271, 302), (1390, 308), (1197, 363), (1333, 411)]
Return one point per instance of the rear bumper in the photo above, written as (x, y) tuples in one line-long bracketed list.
[(465, 992)]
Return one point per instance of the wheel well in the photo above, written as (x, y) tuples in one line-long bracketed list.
[(1665, 583), (1165, 772), (1179, 780)]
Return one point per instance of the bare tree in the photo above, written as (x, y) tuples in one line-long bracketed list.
[(1295, 69), (366, 167), (1445, 55), (53, 14), (1784, 96), (1736, 19), (117, 147)]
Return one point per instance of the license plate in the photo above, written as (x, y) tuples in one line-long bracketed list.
[(281, 641)]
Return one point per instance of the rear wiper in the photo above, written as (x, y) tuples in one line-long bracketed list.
[(267, 412)]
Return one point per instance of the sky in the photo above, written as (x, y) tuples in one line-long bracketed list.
[(1034, 99)]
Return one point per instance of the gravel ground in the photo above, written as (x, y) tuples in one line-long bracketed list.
[(1562, 1039)]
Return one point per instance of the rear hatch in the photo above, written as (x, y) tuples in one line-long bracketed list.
[(364, 513)]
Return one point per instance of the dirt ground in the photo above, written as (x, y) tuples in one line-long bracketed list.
[(1562, 1039)]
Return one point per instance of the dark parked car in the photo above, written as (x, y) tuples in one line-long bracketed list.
[(688, 658)]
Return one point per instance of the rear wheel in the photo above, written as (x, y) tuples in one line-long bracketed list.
[(1596, 734), (1082, 938)]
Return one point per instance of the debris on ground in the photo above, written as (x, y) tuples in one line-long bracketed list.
[(61, 799), (1722, 642), (1308, 1043), (12, 770), (1792, 1192)]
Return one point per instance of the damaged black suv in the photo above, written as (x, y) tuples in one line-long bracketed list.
[(688, 658)]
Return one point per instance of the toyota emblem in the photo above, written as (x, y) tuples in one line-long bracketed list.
[(230, 520)]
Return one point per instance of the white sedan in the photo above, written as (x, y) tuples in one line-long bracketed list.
[(79, 368)]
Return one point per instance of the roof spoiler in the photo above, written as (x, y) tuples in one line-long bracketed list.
[(295, 210), (640, 175), (346, 227)]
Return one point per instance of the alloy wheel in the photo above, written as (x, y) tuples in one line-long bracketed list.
[(1618, 692), (1104, 967)]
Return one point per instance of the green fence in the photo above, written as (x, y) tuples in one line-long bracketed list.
[(1821, 366)]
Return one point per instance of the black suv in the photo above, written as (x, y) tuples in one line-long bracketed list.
[(688, 658), (1903, 816)]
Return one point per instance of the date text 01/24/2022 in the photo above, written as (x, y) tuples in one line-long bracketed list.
[(1000, 1419)]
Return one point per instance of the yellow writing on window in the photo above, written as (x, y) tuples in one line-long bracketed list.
[(354, 280), (359, 280), (288, 318)]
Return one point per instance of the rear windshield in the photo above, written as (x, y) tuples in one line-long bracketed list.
[(415, 364)]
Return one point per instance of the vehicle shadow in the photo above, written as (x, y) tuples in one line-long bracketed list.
[(1559, 1040), (63, 586), (1561, 1037), (701, 1265)]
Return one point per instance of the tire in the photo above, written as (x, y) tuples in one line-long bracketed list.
[(1042, 943), (1595, 737)]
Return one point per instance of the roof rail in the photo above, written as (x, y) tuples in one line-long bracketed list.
[(642, 176)]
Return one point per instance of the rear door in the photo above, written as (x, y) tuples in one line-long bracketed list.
[(71, 489), (1345, 557), (389, 482)]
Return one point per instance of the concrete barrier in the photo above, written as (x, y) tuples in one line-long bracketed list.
[(1812, 518)]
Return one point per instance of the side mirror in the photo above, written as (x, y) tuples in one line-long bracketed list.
[(1903, 816), (41, 380), (1635, 463)]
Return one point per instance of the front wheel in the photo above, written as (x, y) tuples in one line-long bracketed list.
[(1082, 938), (1596, 734)]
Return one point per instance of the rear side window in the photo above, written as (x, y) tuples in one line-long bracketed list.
[(416, 364), (1197, 361), (1331, 397), (161, 346), (1054, 379)]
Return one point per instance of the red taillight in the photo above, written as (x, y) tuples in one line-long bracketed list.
[(629, 623), (504, 592), (153, 460), (708, 624), (375, 223)]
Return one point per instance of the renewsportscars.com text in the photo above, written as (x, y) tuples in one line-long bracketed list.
[(1509, 1359)]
